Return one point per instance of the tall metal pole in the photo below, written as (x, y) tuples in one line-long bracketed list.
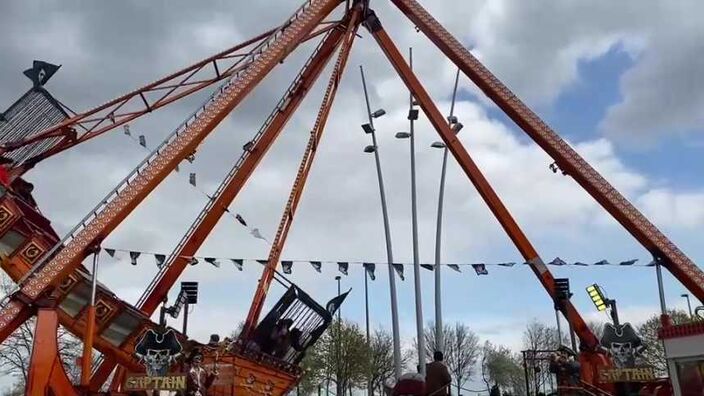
[(559, 327), (387, 233), (366, 313), (185, 317), (439, 333), (416, 259), (87, 357), (661, 290)]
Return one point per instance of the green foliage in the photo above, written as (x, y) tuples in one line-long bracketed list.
[(503, 369), (340, 357)]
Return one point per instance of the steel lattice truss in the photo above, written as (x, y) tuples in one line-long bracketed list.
[(46, 270)]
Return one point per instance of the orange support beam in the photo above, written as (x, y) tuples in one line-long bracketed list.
[(301, 176), (686, 271), (46, 370), (232, 185), (475, 175), (52, 271)]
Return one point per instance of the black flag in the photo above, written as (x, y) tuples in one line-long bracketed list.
[(212, 261), (429, 267), (333, 305), (193, 261), (237, 263), (455, 267), (41, 72), (316, 265), (192, 179), (370, 267), (286, 266), (480, 269), (241, 220), (142, 141), (557, 261), (134, 256), (628, 262), (159, 258), (262, 262), (110, 252), (342, 266), (399, 270)]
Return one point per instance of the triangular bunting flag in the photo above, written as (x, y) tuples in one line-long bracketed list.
[(237, 263), (255, 233), (429, 267), (241, 220), (628, 262), (193, 261), (159, 258), (262, 262), (192, 179), (370, 267), (213, 261), (126, 128), (142, 141), (557, 261), (343, 266), (651, 264), (399, 270), (602, 262), (110, 252), (455, 267), (134, 256), (316, 265), (480, 269), (507, 264), (581, 263), (286, 266)]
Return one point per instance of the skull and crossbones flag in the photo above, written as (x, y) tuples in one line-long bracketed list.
[(286, 266), (370, 267), (41, 72), (399, 270), (343, 266), (480, 269), (159, 258), (316, 265), (134, 256)]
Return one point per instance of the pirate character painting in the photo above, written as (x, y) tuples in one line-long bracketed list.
[(158, 352), (623, 344), (199, 379)]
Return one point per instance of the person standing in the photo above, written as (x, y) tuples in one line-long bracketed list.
[(437, 377), (199, 379)]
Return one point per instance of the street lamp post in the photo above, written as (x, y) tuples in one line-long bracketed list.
[(689, 305), (439, 333), (369, 128), (412, 116)]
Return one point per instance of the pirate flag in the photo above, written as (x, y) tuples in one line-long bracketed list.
[(342, 266), (286, 266), (41, 72), (333, 305), (370, 267), (316, 265), (134, 256), (399, 270), (480, 269)]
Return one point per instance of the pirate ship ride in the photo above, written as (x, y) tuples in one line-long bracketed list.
[(53, 285)]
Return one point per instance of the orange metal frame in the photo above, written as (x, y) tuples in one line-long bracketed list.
[(49, 274)]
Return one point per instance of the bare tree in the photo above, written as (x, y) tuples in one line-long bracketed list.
[(539, 337), (460, 348), (16, 350), (381, 359)]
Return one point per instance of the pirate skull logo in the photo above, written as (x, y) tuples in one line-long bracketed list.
[(623, 344), (157, 352)]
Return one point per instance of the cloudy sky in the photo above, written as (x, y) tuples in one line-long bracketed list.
[(619, 81)]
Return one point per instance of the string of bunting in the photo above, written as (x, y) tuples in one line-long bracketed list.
[(370, 267)]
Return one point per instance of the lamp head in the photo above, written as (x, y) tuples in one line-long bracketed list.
[(402, 135)]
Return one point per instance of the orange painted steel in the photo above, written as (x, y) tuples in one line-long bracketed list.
[(69, 257), (231, 186), (686, 271), (475, 175), (301, 177), (213, 212), (46, 371), (87, 357)]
